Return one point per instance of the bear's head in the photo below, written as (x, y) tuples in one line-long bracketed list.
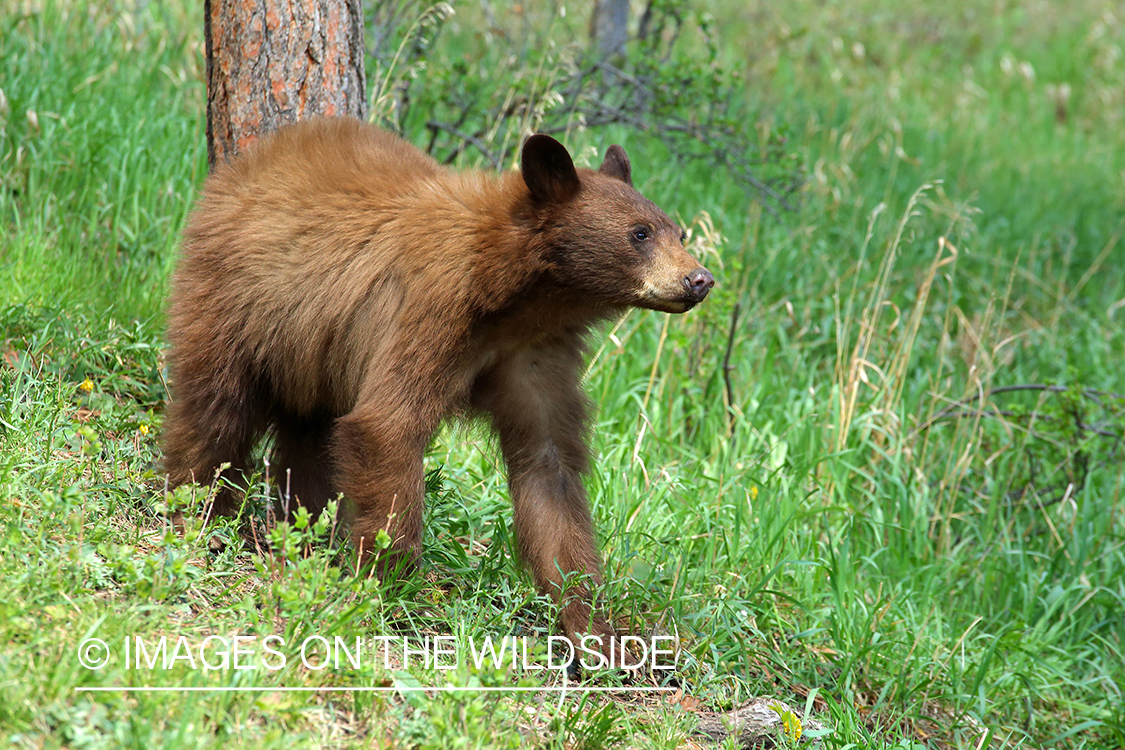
[(604, 239)]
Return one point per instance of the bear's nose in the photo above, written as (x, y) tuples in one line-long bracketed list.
[(698, 283)]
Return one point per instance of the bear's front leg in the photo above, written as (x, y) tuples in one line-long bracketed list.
[(378, 463), (539, 413)]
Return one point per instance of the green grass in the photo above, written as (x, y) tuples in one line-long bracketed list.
[(935, 576)]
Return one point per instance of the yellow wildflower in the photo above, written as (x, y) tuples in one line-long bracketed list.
[(790, 722)]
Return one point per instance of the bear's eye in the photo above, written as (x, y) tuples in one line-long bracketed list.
[(640, 234), (683, 236)]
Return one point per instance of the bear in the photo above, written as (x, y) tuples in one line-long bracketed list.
[(341, 290)]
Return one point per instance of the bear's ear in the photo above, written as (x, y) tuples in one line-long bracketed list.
[(548, 170), (616, 164)]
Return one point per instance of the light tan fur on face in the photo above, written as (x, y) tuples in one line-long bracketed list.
[(662, 285)]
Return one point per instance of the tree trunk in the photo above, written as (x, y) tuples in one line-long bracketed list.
[(270, 63), (609, 27)]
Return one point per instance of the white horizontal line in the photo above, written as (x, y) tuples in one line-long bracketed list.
[(395, 689)]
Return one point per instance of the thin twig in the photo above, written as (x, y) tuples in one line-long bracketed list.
[(434, 125), (952, 411), (727, 366), (1091, 428)]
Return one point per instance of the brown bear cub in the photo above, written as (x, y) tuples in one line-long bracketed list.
[(344, 291)]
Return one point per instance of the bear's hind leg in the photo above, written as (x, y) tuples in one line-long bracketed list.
[(302, 464), (206, 428)]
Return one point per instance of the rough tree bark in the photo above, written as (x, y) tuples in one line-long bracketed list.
[(270, 63)]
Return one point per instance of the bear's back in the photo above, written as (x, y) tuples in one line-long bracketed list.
[(333, 242), (284, 253), (319, 158)]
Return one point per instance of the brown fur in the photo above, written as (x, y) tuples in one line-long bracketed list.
[(342, 289)]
